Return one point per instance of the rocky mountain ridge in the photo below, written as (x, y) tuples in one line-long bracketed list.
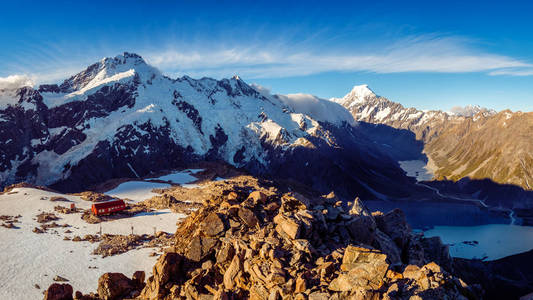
[(255, 241)]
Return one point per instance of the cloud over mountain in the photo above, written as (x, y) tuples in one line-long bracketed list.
[(15, 82)]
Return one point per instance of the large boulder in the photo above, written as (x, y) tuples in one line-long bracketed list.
[(200, 247), (212, 225), (363, 268), (362, 229), (395, 225), (435, 250), (247, 217), (165, 270), (113, 286), (231, 274), (58, 291), (287, 226), (387, 245)]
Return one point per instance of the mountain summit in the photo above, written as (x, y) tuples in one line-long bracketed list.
[(358, 94)]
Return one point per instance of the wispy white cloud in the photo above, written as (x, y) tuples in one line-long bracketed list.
[(412, 54), (526, 71), (15, 82), (263, 58)]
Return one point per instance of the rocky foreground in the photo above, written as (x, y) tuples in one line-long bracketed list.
[(252, 240)]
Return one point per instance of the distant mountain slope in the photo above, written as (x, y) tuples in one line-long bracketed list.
[(122, 118), (474, 142)]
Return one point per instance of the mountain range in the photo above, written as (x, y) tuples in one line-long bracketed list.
[(473, 142), (121, 117)]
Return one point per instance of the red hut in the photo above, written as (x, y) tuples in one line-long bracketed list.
[(108, 207)]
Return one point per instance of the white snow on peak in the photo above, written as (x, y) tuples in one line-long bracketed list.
[(127, 61), (361, 91), (120, 68), (101, 79), (358, 94)]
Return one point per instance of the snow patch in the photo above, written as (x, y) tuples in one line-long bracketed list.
[(29, 258), (136, 191), (177, 178)]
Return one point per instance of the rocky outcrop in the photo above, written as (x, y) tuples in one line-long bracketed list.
[(253, 241)]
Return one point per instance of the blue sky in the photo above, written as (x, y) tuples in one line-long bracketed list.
[(427, 54)]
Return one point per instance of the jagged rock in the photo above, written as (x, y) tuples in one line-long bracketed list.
[(359, 209), (363, 268), (258, 197), (212, 225), (362, 229), (287, 226), (258, 292), (200, 247), (248, 217), (387, 245), (435, 250), (394, 225), (113, 286), (232, 272), (414, 252), (58, 291), (138, 279), (331, 198), (166, 268), (60, 279), (223, 251), (319, 296), (294, 202)]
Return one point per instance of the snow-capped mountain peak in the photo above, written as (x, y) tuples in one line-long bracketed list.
[(470, 110), (361, 92), (358, 94), (108, 70)]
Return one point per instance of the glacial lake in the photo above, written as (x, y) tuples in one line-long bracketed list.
[(470, 230), (457, 223)]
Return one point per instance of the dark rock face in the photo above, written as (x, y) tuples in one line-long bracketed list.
[(100, 104), (157, 152), (22, 128), (348, 168), (189, 110)]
